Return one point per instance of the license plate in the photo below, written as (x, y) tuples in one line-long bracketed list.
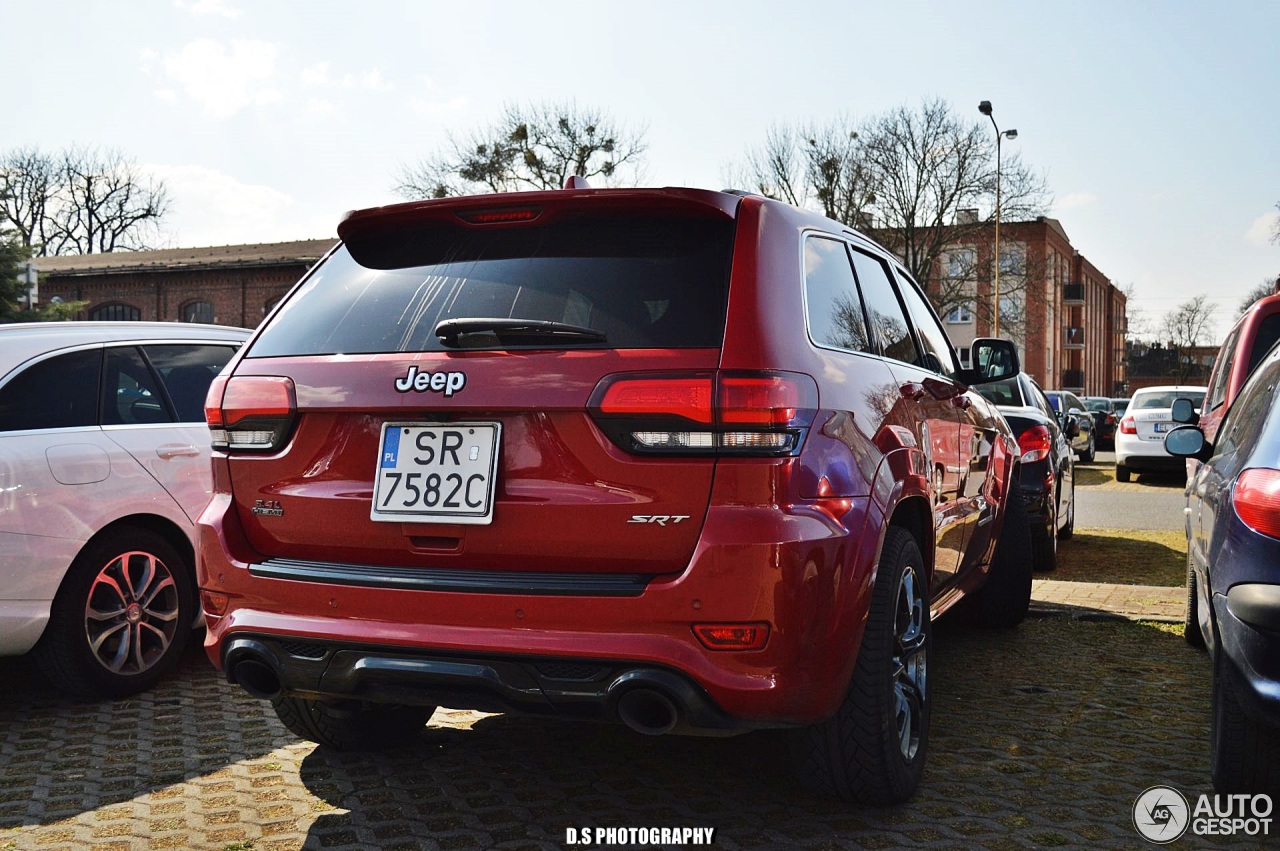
[(436, 473), (1164, 427)]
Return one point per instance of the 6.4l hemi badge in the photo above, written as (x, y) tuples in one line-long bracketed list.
[(268, 507), (447, 383)]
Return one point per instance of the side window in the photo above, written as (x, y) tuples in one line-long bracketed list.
[(187, 371), (1222, 373), (1038, 399), (884, 311), (57, 392), (129, 392), (1268, 333), (834, 306), (938, 355)]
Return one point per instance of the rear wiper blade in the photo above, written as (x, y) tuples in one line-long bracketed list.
[(487, 331)]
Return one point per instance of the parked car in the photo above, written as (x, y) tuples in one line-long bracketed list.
[(1233, 577), (104, 465), (1103, 411), (1047, 482), (1140, 440), (1069, 406), (1248, 342), (694, 461)]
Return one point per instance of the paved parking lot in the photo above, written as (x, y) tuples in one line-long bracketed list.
[(1042, 737)]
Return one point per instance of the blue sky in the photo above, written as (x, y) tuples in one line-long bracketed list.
[(1156, 123)]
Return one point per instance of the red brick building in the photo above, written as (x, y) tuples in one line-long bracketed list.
[(223, 285), (1066, 316)]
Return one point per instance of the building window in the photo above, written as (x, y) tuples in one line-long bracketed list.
[(960, 316), (198, 311), (115, 313), (961, 263)]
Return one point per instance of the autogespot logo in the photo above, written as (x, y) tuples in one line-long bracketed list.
[(1161, 814)]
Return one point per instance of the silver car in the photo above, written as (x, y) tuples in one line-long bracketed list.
[(104, 466)]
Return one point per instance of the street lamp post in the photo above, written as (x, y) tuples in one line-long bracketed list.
[(985, 108)]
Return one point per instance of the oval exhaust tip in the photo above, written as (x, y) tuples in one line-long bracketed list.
[(648, 712)]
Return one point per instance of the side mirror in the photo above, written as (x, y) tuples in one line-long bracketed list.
[(993, 359), (1184, 412), (1071, 429), (1187, 442)]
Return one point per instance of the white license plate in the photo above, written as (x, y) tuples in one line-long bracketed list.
[(436, 473), (1164, 427)]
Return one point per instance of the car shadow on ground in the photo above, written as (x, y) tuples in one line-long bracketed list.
[(1045, 734)]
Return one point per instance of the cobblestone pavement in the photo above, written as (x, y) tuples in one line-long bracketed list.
[(1042, 737)]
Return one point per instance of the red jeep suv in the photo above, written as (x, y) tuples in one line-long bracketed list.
[(698, 462)]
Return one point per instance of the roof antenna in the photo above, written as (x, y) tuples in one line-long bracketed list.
[(575, 182)]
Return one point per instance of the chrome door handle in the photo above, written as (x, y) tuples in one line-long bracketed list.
[(177, 450)]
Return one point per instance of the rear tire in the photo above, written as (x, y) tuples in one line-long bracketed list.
[(352, 725), (1090, 452), (1244, 754), (1122, 473), (1003, 601), (1191, 625), (121, 619), (873, 749)]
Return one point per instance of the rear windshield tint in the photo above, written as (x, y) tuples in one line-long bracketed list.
[(644, 284)]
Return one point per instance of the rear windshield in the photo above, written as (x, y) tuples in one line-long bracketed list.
[(1097, 404), (642, 283), (1164, 399)]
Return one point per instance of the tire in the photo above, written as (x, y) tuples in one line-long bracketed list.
[(1244, 754), (1044, 543), (1191, 624), (352, 725), (1003, 601), (1069, 530), (873, 749), (1091, 452), (121, 619), (1122, 473)]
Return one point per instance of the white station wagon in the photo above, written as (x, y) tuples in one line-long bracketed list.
[(104, 466)]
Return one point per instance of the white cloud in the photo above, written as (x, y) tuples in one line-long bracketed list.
[(320, 106), (212, 208), (209, 7), (374, 82), (1263, 228), (316, 75), (225, 79), (166, 95), (438, 107), (1075, 199)]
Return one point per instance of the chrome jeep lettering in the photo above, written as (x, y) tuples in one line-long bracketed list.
[(660, 519), (434, 382)]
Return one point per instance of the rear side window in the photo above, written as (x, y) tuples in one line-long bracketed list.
[(57, 392), (1268, 333), (643, 283), (831, 297), (884, 311), (1222, 372), (130, 395), (187, 371)]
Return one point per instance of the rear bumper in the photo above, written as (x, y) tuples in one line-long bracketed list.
[(590, 689), (795, 571), (1248, 621)]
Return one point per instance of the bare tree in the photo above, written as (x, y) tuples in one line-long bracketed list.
[(28, 181), (1265, 288), (84, 201), (920, 176), (528, 147), (1187, 326)]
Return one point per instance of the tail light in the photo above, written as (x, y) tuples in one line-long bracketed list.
[(1035, 443), (1111, 419), (250, 412), (1127, 426), (1257, 500), (706, 413)]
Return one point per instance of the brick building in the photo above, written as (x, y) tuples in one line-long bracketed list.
[(223, 285), (1065, 315)]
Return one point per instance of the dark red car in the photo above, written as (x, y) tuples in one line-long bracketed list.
[(698, 462)]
